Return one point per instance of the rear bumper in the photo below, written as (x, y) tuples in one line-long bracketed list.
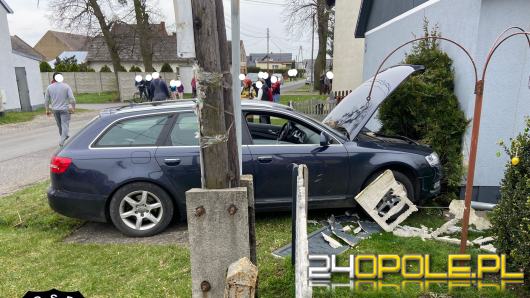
[(78, 205)]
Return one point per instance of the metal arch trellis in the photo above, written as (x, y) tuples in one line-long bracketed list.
[(479, 93)]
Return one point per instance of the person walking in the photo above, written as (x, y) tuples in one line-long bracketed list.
[(159, 89), (180, 90), (59, 100), (173, 89), (194, 87)]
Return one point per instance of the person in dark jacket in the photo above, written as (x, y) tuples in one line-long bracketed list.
[(148, 80), (159, 88)]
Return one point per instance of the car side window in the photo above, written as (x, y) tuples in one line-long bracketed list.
[(185, 130), (273, 129), (135, 132)]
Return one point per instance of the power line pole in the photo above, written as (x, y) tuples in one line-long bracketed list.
[(236, 69), (313, 54), (219, 167), (268, 52)]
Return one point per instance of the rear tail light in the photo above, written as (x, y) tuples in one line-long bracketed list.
[(59, 165)]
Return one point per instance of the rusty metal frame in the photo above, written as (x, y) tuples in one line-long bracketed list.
[(479, 95)]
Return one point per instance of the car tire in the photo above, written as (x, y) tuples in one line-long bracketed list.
[(401, 179), (141, 209)]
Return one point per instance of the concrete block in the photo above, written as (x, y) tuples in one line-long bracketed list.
[(218, 236), (480, 222), (248, 182), (384, 199), (241, 279)]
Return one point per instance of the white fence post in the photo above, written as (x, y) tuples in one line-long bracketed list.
[(302, 288)]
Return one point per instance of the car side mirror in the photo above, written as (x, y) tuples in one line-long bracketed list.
[(324, 139)]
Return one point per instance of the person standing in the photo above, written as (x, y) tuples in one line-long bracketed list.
[(59, 100), (159, 89), (180, 90), (276, 91), (194, 87)]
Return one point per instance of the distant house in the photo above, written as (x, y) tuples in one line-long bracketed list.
[(20, 81), (386, 24), (164, 47), (53, 43), (280, 61)]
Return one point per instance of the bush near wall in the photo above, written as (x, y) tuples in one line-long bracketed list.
[(166, 68), (135, 68), (105, 68), (511, 217), (425, 108)]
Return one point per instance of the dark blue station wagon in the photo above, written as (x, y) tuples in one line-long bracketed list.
[(132, 165)]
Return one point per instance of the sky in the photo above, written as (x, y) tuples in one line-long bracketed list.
[(30, 22)]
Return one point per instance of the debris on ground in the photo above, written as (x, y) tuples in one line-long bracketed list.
[(358, 229), (450, 240), (447, 228), (317, 245), (483, 240), (456, 208), (385, 200), (332, 242), (408, 231), (489, 248)]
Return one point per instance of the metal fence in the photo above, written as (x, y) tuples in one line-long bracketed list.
[(317, 109)]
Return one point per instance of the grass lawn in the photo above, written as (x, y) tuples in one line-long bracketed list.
[(33, 256), (18, 117), (103, 97)]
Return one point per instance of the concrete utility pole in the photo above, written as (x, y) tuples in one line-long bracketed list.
[(313, 54), (236, 69), (268, 51), (184, 22)]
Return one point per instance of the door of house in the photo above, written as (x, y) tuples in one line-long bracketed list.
[(23, 90)]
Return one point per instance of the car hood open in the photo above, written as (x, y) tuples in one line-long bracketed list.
[(355, 110)]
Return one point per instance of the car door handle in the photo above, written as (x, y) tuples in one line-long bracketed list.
[(265, 159), (172, 161)]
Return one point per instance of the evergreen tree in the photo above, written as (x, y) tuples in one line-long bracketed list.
[(511, 217), (166, 68), (425, 108)]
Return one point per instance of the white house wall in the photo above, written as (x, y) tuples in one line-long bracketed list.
[(475, 24), (33, 75), (347, 50), (8, 81)]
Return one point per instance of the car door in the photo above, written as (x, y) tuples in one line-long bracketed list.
[(179, 158), (273, 159)]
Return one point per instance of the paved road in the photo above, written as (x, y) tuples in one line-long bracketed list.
[(292, 86), (26, 148)]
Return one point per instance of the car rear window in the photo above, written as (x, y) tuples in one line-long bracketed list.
[(135, 132)]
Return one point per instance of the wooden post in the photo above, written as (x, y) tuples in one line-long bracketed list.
[(213, 130)]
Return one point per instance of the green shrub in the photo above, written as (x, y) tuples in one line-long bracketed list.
[(45, 67), (105, 68), (425, 108), (166, 68), (253, 69), (83, 67), (135, 68), (511, 217), (122, 69)]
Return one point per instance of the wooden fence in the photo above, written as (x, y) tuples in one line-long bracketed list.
[(315, 108)]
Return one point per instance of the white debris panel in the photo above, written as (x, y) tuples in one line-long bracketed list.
[(385, 200)]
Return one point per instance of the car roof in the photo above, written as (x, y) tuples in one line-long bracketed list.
[(180, 105)]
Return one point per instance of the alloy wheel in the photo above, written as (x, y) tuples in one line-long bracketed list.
[(141, 210)]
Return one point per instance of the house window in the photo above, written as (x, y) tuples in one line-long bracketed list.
[(275, 67)]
